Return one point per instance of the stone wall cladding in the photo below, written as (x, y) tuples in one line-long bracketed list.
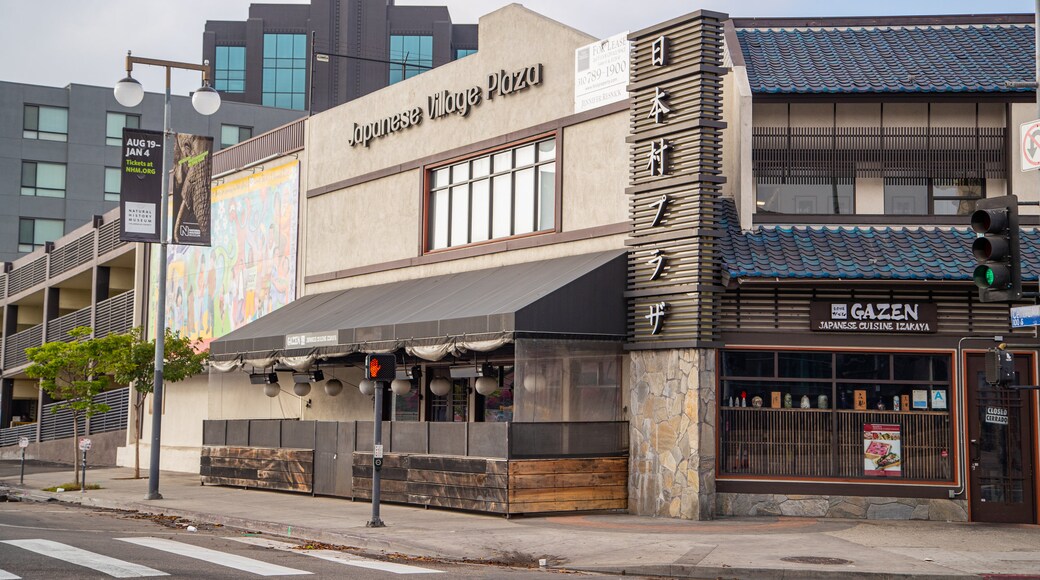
[(863, 508), (672, 433)]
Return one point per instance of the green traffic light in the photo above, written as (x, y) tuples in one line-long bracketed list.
[(990, 277)]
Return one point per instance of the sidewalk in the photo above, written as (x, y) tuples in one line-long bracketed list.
[(746, 548)]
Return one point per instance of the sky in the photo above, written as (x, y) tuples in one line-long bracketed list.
[(58, 42)]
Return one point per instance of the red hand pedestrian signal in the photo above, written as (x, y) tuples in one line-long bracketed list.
[(381, 367)]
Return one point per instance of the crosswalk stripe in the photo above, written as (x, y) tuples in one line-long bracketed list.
[(341, 557), (80, 557), (215, 557), (5, 575)]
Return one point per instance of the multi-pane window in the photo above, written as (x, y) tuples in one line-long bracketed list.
[(113, 183), (806, 197), (409, 56), (233, 135), (229, 76), (285, 71), (498, 195), (932, 196), (461, 52), (43, 179), (114, 127), (47, 123), (34, 232)]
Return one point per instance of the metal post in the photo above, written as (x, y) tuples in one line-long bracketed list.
[(160, 315), (377, 455), (21, 475), (83, 479)]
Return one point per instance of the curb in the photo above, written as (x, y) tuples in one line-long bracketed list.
[(738, 573)]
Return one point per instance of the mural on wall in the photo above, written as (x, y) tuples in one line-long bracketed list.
[(250, 268)]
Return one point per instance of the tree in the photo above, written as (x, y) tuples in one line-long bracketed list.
[(135, 364), (74, 373)]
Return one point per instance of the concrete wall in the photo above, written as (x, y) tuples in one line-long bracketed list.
[(593, 157), (846, 507), (102, 451)]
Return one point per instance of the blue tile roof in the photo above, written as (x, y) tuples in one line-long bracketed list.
[(944, 59), (859, 253)]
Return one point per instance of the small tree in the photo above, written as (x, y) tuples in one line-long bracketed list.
[(135, 364), (74, 373)]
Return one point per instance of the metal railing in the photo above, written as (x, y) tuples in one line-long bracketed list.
[(24, 277), (281, 141), (108, 237), (14, 351), (11, 436), (116, 418), (58, 329), (76, 253), (115, 315)]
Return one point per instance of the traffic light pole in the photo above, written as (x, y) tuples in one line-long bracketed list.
[(377, 456)]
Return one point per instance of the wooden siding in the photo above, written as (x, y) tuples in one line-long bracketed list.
[(259, 467), (497, 485)]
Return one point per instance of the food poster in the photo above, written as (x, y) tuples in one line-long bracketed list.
[(882, 454)]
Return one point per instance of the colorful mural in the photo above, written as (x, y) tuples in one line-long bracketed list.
[(250, 268)]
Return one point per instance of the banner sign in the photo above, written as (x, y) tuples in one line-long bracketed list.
[(601, 72), (192, 170), (882, 453), (893, 317), (140, 185)]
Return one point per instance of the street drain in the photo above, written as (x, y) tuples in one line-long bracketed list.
[(816, 560)]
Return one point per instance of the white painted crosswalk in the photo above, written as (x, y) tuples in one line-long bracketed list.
[(118, 568), (341, 557), (73, 555), (213, 556)]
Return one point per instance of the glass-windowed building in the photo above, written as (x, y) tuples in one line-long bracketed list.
[(369, 44), (62, 166)]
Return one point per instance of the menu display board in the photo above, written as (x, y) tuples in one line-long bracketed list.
[(882, 452)]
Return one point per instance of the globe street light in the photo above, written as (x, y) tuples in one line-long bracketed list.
[(129, 93)]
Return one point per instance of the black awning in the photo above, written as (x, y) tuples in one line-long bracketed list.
[(577, 295)]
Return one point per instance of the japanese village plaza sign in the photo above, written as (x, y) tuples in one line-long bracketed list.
[(675, 178), (888, 317), (444, 103)]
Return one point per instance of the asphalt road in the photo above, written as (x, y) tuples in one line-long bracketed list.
[(52, 541)]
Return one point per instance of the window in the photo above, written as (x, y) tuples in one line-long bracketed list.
[(229, 76), (43, 179), (808, 413), (461, 52), (932, 196), (46, 123), (415, 53), (233, 134), (835, 198), (499, 195), (114, 127), (33, 232), (285, 71), (113, 183)]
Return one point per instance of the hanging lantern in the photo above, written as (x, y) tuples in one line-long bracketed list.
[(486, 385), (401, 387), (367, 387), (440, 386)]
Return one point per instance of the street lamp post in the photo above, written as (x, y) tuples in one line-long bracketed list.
[(129, 93)]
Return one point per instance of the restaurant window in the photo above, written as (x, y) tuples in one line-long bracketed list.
[(859, 415), (804, 197), (46, 123), (932, 196), (452, 407), (497, 407), (114, 127), (507, 193)]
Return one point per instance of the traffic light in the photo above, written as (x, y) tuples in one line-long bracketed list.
[(1000, 366), (998, 273), (381, 367)]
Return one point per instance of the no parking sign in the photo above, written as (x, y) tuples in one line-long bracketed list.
[(1029, 145)]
